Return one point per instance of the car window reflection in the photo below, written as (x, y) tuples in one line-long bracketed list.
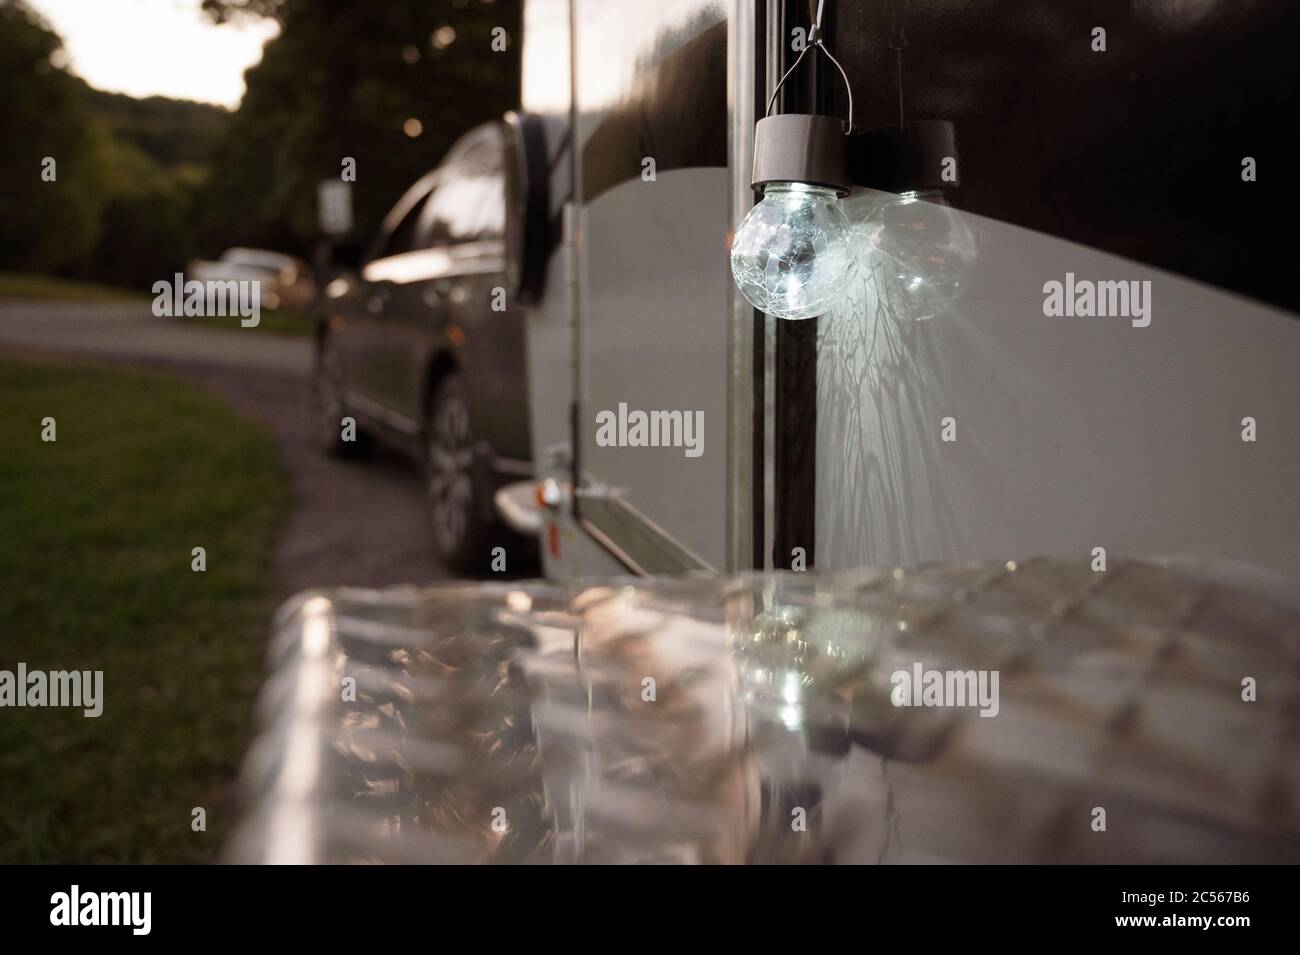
[(464, 208)]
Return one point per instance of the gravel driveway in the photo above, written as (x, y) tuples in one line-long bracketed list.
[(354, 522)]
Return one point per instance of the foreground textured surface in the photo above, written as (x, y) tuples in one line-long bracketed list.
[(751, 720)]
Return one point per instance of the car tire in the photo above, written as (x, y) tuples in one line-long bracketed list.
[(329, 406), (462, 536)]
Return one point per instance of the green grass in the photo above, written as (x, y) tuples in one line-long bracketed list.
[(20, 286), (96, 532)]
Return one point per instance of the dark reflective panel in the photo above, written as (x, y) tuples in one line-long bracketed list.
[(1136, 149)]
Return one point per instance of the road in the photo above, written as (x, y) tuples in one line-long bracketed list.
[(354, 522), (130, 330)]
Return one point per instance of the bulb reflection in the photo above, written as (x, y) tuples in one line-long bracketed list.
[(921, 251), (791, 658)]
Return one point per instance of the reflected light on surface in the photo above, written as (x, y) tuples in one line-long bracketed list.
[(467, 258), (316, 628), (791, 690), (607, 70), (292, 832)]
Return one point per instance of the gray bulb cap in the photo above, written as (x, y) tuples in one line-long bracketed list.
[(799, 147)]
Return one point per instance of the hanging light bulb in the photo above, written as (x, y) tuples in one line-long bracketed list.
[(792, 254)]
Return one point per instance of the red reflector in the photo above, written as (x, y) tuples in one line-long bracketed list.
[(553, 534)]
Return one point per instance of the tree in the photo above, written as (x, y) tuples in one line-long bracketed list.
[(344, 79), (43, 224)]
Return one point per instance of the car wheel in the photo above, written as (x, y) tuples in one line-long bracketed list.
[(461, 537), (330, 408)]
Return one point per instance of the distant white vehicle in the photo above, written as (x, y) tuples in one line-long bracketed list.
[(287, 281)]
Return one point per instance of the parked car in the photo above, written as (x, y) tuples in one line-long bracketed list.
[(423, 348), (287, 281)]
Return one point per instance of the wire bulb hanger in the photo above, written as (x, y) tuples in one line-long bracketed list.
[(815, 40)]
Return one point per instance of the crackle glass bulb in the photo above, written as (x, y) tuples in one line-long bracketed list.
[(792, 255)]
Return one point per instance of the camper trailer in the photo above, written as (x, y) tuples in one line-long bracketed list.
[(1062, 332), (1031, 357), (1045, 428)]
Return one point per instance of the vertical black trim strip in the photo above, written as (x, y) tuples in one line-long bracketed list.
[(758, 475), (758, 488), (796, 370), (796, 441)]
